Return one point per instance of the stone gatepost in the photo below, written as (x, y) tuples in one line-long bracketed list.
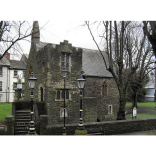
[(9, 120), (43, 124)]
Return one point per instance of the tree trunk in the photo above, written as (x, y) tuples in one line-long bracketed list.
[(121, 112)]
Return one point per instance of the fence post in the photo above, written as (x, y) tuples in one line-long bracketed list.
[(43, 124), (10, 125)]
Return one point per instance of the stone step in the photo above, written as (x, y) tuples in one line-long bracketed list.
[(23, 111), (23, 117), (23, 114), (22, 120)]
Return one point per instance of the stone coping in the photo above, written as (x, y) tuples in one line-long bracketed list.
[(101, 123)]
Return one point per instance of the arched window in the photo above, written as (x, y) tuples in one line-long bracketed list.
[(104, 89), (62, 112), (60, 95)]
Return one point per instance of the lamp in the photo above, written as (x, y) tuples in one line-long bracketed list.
[(81, 82), (32, 81)]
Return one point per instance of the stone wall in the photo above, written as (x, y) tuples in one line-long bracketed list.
[(109, 127), (93, 88)]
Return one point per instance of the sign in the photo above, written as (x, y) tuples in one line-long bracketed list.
[(134, 111), (19, 86)]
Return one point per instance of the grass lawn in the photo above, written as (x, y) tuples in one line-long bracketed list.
[(146, 110), (5, 110)]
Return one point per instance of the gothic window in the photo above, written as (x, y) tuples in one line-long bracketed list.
[(104, 90), (65, 61), (1, 70), (15, 73), (0, 85), (62, 112), (60, 95)]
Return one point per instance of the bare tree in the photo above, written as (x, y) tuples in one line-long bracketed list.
[(124, 43), (11, 32)]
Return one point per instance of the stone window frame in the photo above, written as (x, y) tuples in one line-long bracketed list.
[(62, 113), (15, 73), (61, 92), (104, 89), (1, 71), (110, 109), (65, 61), (0, 85)]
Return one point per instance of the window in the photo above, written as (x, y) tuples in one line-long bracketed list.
[(60, 95), (65, 61), (1, 71), (104, 89), (15, 73), (110, 109), (62, 112), (23, 73), (14, 85), (0, 85)]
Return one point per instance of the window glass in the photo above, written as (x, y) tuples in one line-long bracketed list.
[(1, 71), (58, 95), (67, 66), (15, 73), (62, 95), (67, 58), (63, 57), (67, 94)]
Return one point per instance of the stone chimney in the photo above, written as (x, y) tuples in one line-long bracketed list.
[(7, 55), (35, 37)]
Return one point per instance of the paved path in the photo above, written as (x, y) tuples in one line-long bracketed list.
[(152, 132)]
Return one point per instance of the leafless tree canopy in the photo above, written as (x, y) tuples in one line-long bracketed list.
[(128, 52), (11, 32)]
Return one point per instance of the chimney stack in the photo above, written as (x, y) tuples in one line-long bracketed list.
[(7, 55)]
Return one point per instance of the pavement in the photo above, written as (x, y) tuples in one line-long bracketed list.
[(151, 132)]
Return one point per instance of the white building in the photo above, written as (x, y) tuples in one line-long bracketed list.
[(10, 70), (150, 86)]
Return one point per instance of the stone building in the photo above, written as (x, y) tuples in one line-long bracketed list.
[(46, 60)]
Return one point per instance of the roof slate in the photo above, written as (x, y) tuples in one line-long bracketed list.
[(15, 64), (93, 63)]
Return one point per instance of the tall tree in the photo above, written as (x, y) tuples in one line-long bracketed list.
[(124, 42), (11, 32)]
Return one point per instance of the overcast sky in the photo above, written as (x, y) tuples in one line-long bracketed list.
[(57, 31)]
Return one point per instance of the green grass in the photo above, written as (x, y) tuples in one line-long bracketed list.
[(141, 116), (147, 104), (5, 110)]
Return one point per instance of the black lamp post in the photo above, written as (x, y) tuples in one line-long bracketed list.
[(64, 74), (81, 83), (32, 81)]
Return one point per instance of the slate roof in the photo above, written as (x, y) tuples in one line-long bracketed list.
[(93, 63), (16, 64)]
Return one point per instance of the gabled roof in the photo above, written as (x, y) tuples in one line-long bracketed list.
[(15, 64)]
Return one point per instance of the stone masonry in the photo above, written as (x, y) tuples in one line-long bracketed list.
[(45, 62)]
